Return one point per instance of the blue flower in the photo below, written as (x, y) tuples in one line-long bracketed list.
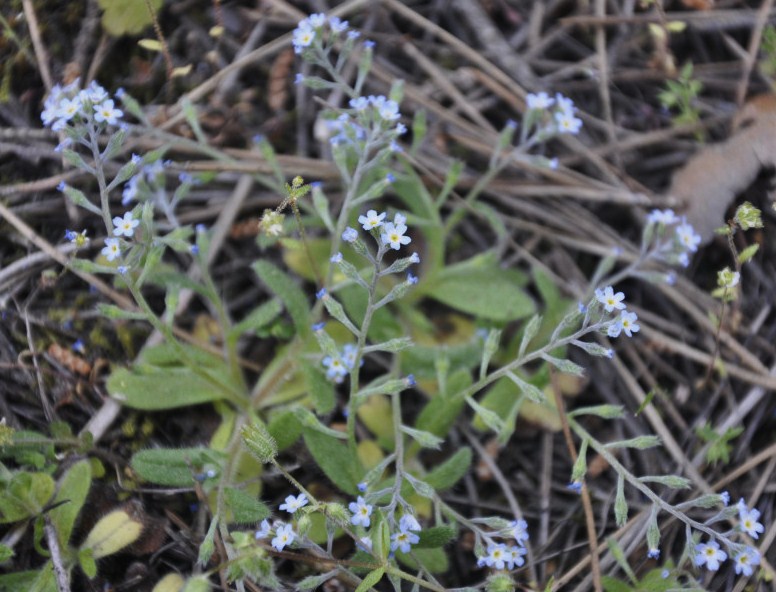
[(653, 553), (709, 554), (319, 326), (412, 279), (361, 512), (320, 293), (350, 235), (292, 503), (285, 535)]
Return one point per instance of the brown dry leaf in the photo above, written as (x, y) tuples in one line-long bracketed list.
[(699, 4), (278, 79), (712, 179), (71, 361)]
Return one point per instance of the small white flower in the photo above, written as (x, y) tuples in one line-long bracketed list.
[(614, 329), (337, 25), (294, 503), (539, 101), (371, 220), (106, 112), (564, 104), (112, 249), (688, 237), (302, 37), (709, 554), (350, 235), (567, 123), (746, 560), (628, 323), (497, 556), (263, 532), (409, 522), (399, 219), (514, 556), (317, 20), (403, 540), (609, 299), (519, 531), (662, 217), (394, 236), (68, 108), (336, 371), (125, 226), (749, 523), (361, 512), (285, 535)]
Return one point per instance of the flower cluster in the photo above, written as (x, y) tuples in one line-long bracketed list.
[(338, 367), (503, 556), (284, 533), (557, 115), (711, 556), (314, 26), (407, 534), (675, 238), (69, 103), (392, 234), (626, 321), (372, 120)]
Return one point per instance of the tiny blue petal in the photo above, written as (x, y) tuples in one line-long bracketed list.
[(320, 293)]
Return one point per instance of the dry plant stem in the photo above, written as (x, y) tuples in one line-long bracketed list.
[(160, 36), (37, 43), (506, 490), (751, 54), (592, 536), (60, 572), (603, 80)]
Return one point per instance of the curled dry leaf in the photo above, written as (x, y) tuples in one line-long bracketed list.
[(712, 179)]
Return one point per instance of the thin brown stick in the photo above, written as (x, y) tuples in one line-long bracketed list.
[(41, 54), (592, 536)]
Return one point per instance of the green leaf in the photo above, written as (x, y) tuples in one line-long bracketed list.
[(127, 17), (530, 331), (159, 380), (288, 291), (371, 579), (258, 318), (73, 488), (245, 508), (565, 366), (436, 536), (491, 419), (25, 580), (639, 443), (672, 481), (425, 439), (451, 471), (208, 545), (285, 428), (434, 560), (24, 495), (313, 582), (113, 532), (605, 411), (441, 412), (619, 556), (321, 389), (620, 504), (87, 562), (336, 459), (6, 553), (172, 467), (481, 288), (748, 253), (111, 311), (309, 422)]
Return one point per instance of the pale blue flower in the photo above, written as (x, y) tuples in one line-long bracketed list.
[(498, 555), (292, 503), (361, 512), (519, 531), (350, 235), (409, 522), (403, 540), (514, 556), (263, 532), (125, 226), (112, 249), (284, 536), (628, 323), (393, 235), (687, 236), (665, 217), (709, 554), (749, 523), (107, 112), (746, 560), (336, 258), (609, 299), (371, 220), (539, 101)]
